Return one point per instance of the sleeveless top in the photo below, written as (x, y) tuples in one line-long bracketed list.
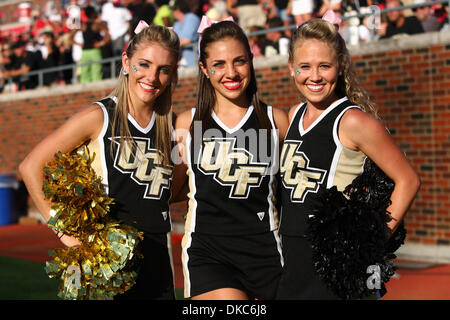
[(231, 177), (314, 158), (135, 176), (89, 37)]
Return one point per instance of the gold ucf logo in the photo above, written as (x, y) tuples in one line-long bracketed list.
[(231, 166), (145, 166), (296, 174)]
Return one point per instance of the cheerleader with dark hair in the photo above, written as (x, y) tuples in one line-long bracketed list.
[(231, 248)]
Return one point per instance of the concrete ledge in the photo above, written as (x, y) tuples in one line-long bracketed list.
[(423, 252), (59, 90)]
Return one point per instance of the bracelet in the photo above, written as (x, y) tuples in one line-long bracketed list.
[(60, 236)]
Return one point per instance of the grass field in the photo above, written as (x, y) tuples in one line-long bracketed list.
[(27, 280)]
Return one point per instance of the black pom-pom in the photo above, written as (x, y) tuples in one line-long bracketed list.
[(349, 235)]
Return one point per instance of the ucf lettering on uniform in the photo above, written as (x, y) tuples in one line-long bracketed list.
[(230, 166), (241, 170), (296, 174), (313, 158), (145, 166), (148, 190)]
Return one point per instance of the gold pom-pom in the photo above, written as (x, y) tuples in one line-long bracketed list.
[(104, 263)]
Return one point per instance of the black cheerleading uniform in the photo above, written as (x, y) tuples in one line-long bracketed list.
[(310, 159), (232, 218), (140, 185)]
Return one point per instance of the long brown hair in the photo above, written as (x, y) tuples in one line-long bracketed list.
[(348, 83), (206, 97), (163, 104)]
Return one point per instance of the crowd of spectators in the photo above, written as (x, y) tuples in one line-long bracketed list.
[(76, 32)]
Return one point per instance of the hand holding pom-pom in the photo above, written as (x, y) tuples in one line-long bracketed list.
[(348, 233), (69, 241), (101, 250)]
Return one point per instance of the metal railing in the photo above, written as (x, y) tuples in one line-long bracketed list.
[(114, 62)]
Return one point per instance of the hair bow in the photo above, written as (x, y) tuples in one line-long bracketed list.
[(332, 18), (142, 25), (206, 23)]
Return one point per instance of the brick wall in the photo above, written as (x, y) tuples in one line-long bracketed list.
[(409, 79)]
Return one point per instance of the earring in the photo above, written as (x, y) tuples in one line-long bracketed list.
[(124, 72)]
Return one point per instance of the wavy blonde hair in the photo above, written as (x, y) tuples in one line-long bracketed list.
[(168, 39), (348, 82)]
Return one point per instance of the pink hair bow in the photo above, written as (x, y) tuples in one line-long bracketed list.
[(206, 23), (141, 26), (332, 18)]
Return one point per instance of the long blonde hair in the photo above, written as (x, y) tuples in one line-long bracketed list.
[(348, 83), (163, 104)]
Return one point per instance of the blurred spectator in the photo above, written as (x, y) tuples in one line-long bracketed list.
[(51, 12), (276, 42), (5, 62), (164, 15), (441, 13), (249, 13), (73, 23), (381, 30), (77, 50), (302, 10), (196, 6), (5, 54), (281, 7), (445, 26), (256, 42), (64, 44), (348, 5), (186, 26), (50, 56), (118, 20), (350, 28), (141, 10), (335, 5), (269, 8), (398, 24), (108, 52), (426, 17), (22, 62), (217, 10), (92, 42), (40, 22)]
